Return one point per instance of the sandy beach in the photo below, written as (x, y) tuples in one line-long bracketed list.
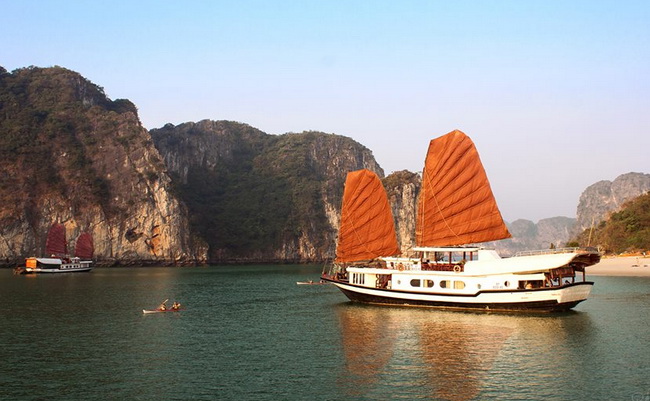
[(621, 266)]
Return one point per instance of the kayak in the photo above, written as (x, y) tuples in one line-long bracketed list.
[(311, 282), (160, 311)]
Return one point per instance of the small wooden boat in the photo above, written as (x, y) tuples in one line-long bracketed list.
[(145, 311), (311, 282), (164, 308)]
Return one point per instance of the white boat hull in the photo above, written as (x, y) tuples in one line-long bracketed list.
[(62, 269), (541, 299)]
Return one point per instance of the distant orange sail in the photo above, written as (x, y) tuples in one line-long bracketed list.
[(367, 227), (456, 204)]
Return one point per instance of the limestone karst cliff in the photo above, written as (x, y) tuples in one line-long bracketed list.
[(259, 197), (613, 215), (70, 155), (527, 235), (403, 188), (626, 230), (605, 197)]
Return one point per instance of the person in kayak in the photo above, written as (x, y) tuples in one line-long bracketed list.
[(163, 305), (176, 306)]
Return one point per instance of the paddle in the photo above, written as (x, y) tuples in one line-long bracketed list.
[(163, 303)]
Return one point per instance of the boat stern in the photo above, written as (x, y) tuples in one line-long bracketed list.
[(575, 293)]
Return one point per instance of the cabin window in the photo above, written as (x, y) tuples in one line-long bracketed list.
[(415, 282), (428, 283), (478, 286), (445, 284), (459, 285), (507, 283), (358, 278)]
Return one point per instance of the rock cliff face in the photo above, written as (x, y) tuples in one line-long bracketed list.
[(255, 197), (605, 197), (207, 145), (71, 155), (403, 189)]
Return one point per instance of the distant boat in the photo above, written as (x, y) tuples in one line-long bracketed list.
[(59, 261), (176, 307), (456, 209), (147, 311), (311, 282)]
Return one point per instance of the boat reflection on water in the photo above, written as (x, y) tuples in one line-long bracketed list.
[(431, 354), (459, 356), (368, 338)]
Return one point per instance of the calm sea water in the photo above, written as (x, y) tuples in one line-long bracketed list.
[(251, 333)]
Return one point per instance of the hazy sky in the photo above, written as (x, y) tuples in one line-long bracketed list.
[(555, 94)]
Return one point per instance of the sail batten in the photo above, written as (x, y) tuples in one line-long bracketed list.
[(367, 228), (456, 204)]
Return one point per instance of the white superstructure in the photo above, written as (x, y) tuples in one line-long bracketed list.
[(57, 265)]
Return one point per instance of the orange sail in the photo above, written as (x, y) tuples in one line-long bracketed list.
[(456, 204), (367, 227)]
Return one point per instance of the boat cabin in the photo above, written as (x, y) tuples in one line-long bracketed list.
[(435, 259)]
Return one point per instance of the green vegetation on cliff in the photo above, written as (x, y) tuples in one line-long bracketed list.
[(398, 179), (237, 205), (257, 196), (47, 133), (627, 230)]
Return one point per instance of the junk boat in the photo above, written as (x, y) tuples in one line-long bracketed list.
[(59, 262), (456, 210)]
